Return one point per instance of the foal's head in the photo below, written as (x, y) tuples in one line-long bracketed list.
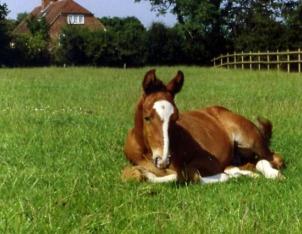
[(159, 115)]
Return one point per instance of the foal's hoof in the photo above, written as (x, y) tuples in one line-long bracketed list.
[(275, 175)]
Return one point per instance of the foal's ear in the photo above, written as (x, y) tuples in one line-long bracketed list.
[(151, 84), (175, 85)]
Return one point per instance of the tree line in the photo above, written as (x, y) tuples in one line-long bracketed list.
[(205, 29)]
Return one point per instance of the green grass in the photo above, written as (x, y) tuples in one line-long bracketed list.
[(61, 142)]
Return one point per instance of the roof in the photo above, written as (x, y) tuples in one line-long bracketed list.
[(53, 10)]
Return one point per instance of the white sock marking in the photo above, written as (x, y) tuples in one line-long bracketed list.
[(236, 172), (222, 177), (163, 179), (164, 110), (267, 170)]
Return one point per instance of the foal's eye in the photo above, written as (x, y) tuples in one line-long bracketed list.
[(147, 118)]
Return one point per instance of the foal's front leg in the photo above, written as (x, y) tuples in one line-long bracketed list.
[(160, 179), (147, 171), (211, 171)]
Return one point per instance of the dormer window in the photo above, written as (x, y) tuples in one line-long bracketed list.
[(75, 19)]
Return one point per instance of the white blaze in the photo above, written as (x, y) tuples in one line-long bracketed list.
[(164, 109)]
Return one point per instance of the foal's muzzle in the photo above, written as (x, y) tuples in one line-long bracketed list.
[(162, 164)]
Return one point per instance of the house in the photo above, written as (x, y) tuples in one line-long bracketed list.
[(59, 13)]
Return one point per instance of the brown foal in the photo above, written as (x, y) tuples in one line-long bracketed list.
[(206, 145)]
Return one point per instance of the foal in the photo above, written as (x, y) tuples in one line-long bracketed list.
[(206, 145)]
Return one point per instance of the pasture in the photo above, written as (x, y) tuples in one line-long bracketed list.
[(61, 154)]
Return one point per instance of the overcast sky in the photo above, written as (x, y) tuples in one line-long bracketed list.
[(100, 8)]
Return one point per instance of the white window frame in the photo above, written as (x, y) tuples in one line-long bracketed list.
[(75, 19)]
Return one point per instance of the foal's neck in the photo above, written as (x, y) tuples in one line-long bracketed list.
[(138, 118)]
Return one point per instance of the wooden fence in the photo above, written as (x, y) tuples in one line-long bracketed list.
[(280, 60)]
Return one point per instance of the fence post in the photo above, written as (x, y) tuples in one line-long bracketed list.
[(235, 61), (259, 64), (278, 61), (242, 61), (221, 61), (299, 60), (251, 64), (228, 61), (214, 62), (288, 59), (268, 60)]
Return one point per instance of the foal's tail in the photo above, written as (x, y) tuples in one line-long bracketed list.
[(266, 128)]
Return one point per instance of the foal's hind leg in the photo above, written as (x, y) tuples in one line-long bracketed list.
[(266, 162), (236, 171), (252, 145), (251, 139)]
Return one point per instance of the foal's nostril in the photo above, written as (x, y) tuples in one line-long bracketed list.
[(156, 160)]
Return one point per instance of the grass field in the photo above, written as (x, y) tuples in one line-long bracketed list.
[(61, 142)]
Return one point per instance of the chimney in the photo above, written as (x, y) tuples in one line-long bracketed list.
[(45, 3)]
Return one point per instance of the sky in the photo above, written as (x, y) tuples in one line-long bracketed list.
[(100, 8)]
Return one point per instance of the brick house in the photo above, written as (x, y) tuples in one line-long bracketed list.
[(59, 13)]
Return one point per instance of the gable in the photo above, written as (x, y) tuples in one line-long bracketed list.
[(54, 9), (63, 7)]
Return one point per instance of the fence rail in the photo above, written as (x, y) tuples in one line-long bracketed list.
[(280, 60)]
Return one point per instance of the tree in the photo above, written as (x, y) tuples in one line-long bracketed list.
[(21, 16), (31, 49), (102, 49), (4, 37), (38, 26), (3, 12), (72, 46), (254, 24), (292, 14), (216, 26), (124, 42), (165, 45), (129, 37), (201, 22)]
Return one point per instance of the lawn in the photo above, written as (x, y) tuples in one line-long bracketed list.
[(61, 154)]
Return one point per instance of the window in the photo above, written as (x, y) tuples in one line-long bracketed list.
[(75, 19)]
